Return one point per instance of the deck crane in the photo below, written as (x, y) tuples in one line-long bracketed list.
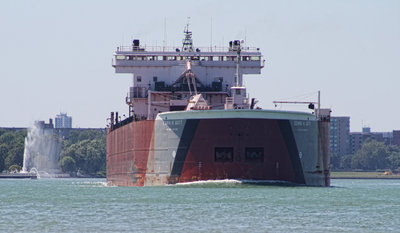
[(311, 104)]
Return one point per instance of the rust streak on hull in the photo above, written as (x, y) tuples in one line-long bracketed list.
[(127, 153)]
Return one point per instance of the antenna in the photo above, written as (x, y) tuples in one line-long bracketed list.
[(165, 34), (211, 36), (319, 103), (245, 38)]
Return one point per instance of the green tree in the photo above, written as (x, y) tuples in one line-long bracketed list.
[(373, 155), (96, 154), (76, 136), (88, 149), (75, 151), (90, 135), (72, 138), (2, 131), (345, 161), (68, 164), (7, 137), (3, 155), (12, 144), (15, 154), (394, 157)]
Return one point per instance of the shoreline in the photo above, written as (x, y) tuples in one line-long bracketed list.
[(363, 175), (18, 176)]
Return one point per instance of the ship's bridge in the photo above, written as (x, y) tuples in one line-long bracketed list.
[(127, 58), (151, 64)]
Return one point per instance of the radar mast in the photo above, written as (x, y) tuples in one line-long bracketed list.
[(187, 43)]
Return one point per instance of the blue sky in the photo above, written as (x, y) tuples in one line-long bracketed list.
[(56, 56)]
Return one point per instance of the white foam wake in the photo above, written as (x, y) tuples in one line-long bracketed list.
[(200, 182)]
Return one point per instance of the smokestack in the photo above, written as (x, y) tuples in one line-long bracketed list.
[(112, 120)]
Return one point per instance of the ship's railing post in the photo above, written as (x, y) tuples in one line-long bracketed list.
[(148, 104)]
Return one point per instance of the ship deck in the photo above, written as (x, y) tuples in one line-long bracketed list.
[(237, 113)]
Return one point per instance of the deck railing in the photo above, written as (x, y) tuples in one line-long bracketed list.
[(179, 49)]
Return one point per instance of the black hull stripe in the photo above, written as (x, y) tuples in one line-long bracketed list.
[(291, 146), (183, 147)]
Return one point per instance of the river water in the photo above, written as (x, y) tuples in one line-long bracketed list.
[(88, 205)]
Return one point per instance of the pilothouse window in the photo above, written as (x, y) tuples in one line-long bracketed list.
[(139, 79)]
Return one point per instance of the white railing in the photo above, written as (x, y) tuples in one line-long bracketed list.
[(175, 49)]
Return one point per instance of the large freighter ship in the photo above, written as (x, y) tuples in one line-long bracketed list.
[(190, 119)]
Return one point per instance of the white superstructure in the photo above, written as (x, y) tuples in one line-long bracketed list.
[(163, 82)]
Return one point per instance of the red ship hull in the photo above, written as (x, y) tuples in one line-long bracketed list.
[(158, 152)]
